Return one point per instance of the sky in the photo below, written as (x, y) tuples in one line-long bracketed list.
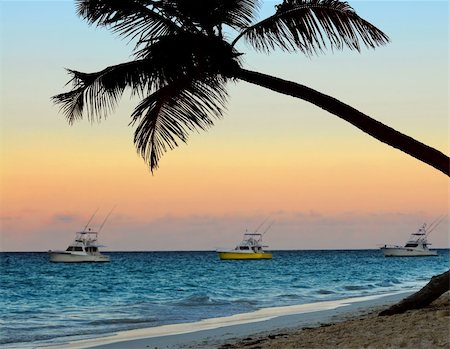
[(326, 184)]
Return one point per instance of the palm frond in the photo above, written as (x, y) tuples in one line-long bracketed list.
[(174, 57), (206, 14), (72, 104), (98, 93), (130, 18), (164, 62), (312, 26), (238, 14), (169, 114)]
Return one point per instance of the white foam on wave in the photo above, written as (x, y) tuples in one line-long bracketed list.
[(213, 323)]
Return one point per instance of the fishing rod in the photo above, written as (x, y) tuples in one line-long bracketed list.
[(90, 219), (106, 218)]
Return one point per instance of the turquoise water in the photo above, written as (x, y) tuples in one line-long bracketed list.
[(48, 303)]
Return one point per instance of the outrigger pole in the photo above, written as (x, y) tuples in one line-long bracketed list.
[(90, 219), (106, 218), (267, 229), (434, 224), (264, 221)]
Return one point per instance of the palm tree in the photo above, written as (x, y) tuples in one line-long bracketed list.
[(183, 59)]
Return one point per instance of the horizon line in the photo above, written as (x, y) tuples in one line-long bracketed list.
[(275, 250)]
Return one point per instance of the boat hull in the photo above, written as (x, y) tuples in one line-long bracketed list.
[(61, 257), (406, 252), (237, 255)]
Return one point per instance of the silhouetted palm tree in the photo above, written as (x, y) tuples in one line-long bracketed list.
[(184, 56)]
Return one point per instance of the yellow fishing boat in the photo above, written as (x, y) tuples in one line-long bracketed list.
[(250, 247)]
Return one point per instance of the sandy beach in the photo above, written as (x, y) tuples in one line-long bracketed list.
[(338, 324), (425, 328)]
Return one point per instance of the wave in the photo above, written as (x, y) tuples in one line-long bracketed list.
[(388, 282), (61, 335), (250, 302), (199, 300), (291, 296), (355, 287), (322, 291), (120, 321), (37, 337)]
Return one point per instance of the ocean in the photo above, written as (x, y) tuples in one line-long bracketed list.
[(44, 303)]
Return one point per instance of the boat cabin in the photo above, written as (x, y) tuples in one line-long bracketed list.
[(251, 242), (85, 241)]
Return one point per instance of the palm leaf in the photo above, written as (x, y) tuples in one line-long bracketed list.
[(164, 62), (169, 114), (206, 14), (238, 14), (98, 93), (311, 26), (130, 18)]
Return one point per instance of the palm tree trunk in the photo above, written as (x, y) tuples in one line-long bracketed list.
[(438, 285), (365, 123)]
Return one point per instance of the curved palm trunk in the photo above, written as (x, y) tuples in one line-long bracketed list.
[(437, 286), (368, 125)]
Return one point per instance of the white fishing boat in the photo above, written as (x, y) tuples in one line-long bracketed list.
[(251, 247), (416, 246), (85, 248)]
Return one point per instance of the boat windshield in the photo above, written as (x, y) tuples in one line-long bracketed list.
[(74, 248)]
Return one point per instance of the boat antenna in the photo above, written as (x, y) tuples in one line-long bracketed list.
[(106, 218), (89, 221), (267, 229), (259, 227)]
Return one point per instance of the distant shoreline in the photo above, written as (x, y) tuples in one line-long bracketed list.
[(236, 326)]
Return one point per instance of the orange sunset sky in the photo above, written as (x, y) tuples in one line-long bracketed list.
[(325, 183)]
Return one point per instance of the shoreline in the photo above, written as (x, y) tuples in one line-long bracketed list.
[(206, 333), (424, 328)]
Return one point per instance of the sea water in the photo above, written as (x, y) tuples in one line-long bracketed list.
[(43, 303)]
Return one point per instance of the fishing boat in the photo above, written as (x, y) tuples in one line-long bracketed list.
[(416, 246), (85, 248), (251, 247)]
